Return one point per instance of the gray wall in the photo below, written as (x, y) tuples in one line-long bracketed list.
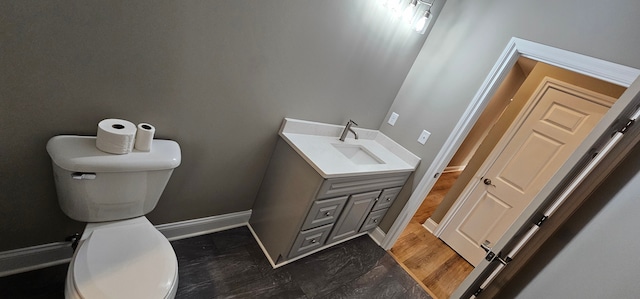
[(217, 76), (466, 42), (595, 255)]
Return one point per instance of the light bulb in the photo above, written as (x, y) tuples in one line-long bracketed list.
[(422, 23), (407, 15)]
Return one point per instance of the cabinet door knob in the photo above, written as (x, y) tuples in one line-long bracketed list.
[(375, 220), (388, 198)]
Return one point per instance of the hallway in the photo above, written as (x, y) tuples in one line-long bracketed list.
[(428, 259)]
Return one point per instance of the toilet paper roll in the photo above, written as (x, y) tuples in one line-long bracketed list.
[(144, 137), (116, 136)]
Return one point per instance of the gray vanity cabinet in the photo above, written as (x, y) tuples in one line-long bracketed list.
[(298, 211)]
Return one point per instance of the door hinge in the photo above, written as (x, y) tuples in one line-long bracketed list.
[(627, 126), (478, 291), (541, 220), (491, 256)]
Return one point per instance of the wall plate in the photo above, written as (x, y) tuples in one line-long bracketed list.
[(392, 119), (424, 136)]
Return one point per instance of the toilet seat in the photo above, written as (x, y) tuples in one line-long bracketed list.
[(125, 259)]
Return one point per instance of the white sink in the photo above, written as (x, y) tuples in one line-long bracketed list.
[(357, 154), (372, 153)]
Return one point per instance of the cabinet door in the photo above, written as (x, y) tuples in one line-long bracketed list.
[(353, 215)]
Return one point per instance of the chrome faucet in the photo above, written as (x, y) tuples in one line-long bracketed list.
[(348, 128)]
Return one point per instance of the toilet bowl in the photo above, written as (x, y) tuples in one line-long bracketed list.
[(121, 254), (123, 259)]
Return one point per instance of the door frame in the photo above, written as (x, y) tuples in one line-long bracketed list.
[(516, 48)]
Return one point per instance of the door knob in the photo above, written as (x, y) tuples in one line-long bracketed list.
[(488, 182), (485, 245)]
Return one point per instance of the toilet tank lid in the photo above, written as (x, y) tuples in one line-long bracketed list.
[(79, 153)]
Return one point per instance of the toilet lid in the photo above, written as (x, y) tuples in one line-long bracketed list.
[(129, 261)]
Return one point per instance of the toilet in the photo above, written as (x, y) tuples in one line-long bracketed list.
[(120, 253)]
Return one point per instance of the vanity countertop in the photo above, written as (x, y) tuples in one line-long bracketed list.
[(373, 152)]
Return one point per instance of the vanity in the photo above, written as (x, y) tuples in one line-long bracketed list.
[(319, 191)]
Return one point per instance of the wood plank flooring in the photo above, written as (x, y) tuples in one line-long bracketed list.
[(427, 258)]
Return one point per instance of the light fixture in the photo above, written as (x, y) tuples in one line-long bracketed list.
[(416, 13), (410, 11), (423, 22)]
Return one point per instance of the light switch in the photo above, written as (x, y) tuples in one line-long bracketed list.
[(393, 118), (424, 136)]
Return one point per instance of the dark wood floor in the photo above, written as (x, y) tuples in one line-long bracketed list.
[(230, 264), (431, 261)]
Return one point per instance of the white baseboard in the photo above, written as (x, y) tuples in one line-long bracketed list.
[(202, 226), (377, 235), (430, 225), (35, 257), (46, 255)]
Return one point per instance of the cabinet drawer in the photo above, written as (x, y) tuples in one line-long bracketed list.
[(309, 240), (373, 220), (353, 185), (324, 212), (386, 198)]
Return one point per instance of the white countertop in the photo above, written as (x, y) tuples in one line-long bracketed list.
[(316, 143)]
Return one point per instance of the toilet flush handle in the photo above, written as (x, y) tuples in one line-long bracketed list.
[(83, 175)]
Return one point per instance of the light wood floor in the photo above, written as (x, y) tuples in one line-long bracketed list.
[(427, 258)]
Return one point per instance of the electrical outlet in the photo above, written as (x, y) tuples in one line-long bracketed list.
[(424, 136), (393, 118)]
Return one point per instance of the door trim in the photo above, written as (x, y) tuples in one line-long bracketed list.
[(593, 67)]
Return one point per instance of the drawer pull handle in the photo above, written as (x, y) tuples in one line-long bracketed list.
[(314, 241), (328, 214), (375, 220)]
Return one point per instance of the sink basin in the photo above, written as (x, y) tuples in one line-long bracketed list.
[(357, 154), (372, 154)]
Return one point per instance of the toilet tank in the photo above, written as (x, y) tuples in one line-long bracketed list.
[(95, 186)]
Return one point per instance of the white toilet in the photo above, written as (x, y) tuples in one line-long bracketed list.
[(120, 253)]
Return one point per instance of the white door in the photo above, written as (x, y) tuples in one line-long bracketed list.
[(547, 131)]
